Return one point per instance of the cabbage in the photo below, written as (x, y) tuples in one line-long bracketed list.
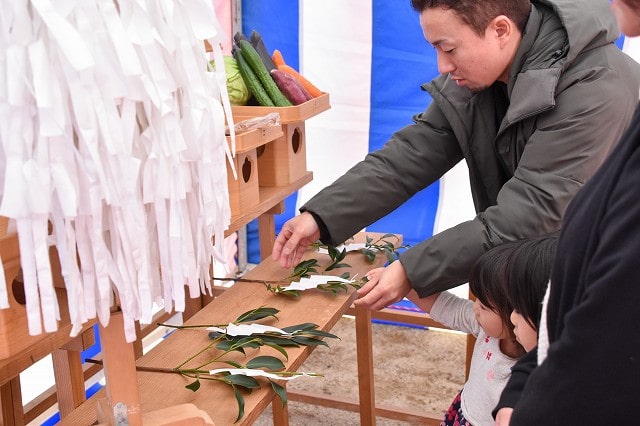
[(239, 93)]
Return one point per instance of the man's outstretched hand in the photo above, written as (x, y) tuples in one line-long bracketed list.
[(296, 235)]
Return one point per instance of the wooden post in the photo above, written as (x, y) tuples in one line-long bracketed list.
[(11, 402), (67, 370), (267, 229), (364, 349), (280, 413), (120, 373)]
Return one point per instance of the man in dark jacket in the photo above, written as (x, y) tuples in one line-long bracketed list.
[(533, 96)]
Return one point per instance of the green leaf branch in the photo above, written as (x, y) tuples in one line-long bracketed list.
[(382, 245), (304, 334)]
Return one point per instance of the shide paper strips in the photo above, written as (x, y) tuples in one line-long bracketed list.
[(112, 132)]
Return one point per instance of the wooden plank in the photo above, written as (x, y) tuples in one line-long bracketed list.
[(288, 114), (14, 365), (341, 402), (252, 139), (406, 317)]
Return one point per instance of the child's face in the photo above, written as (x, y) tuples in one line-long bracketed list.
[(490, 321), (526, 335)]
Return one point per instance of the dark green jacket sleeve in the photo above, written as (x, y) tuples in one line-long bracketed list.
[(413, 158)]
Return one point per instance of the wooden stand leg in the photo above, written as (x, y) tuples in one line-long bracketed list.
[(364, 348), (67, 370), (280, 413), (11, 401), (120, 372)]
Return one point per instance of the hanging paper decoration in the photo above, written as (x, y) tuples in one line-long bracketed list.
[(112, 148)]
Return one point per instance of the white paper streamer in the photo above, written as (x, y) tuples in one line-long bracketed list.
[(348, 247), (112, 136), (314, 281), (258, 373), (248, 329)]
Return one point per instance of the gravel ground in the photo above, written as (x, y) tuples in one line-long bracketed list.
[(414, 368)]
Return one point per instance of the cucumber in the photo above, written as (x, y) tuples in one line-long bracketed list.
[(248, 52), (252, 82)]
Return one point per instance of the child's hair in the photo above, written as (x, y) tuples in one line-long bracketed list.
[(528, 276), (488, 279)]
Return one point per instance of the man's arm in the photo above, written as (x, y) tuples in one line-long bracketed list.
[(412, 159)]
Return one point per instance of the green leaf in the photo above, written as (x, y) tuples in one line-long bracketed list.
[(280, 391), (334, 286), (252, 341), (345, 275), (265, 361), (304, 266), (257, 314), (369, 254), (232, 363), (337, 265), (194, 386), (299, 327), (291, 293), (307, 341), (278, 348), (240, 401), (277, 340), (333, 252), (322, 334), (213, 335), (228, 345), (242, 380)]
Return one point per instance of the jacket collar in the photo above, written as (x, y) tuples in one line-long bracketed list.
[(537, 65)]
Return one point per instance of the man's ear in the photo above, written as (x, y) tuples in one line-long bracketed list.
[(502, 28)]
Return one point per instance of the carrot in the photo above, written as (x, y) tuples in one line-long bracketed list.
[(277, 58), (313, 90)]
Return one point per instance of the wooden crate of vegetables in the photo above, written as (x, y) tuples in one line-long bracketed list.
[(277, 87)]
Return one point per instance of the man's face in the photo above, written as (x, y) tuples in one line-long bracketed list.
[(472, 61)]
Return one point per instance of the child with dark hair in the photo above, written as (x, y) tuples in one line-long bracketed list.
[(529, 270), (488, 318)]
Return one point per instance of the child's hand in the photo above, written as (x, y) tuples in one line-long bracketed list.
[(503, 416)]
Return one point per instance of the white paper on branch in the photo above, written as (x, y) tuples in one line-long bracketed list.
[(313, 281), (258, 373)]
